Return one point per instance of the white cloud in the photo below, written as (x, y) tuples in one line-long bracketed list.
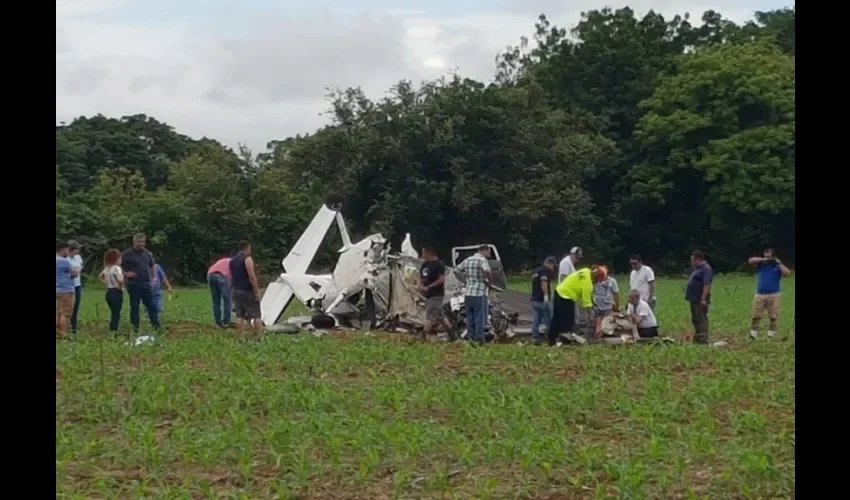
[(256, 77)]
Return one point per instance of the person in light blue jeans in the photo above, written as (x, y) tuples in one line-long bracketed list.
[(218, 278), (160, 281), (541, 295)]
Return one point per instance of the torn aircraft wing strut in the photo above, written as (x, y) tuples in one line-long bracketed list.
[(279, 294)]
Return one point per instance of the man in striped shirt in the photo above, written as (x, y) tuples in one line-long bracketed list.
[(478, 277)]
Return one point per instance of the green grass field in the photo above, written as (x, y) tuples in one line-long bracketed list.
[(200, 415)]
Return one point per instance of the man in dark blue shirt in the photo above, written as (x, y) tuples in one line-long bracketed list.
[(432, 279), (770, 272), (698, 295), (541, 293), (138, 265)]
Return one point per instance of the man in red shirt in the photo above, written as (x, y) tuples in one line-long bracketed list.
[(218, 277)]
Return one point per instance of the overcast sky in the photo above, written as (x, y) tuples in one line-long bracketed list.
[(249, 71)]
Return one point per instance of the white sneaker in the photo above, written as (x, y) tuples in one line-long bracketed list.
[(754, 334), (771, 334)]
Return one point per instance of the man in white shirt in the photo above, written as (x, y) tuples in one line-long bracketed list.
[(641, 315), (567, 265), (77, 264), (642, 279)]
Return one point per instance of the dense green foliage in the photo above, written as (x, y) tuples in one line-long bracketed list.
[(631, 135)]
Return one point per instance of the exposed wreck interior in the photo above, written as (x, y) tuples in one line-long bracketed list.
[(373, 287)]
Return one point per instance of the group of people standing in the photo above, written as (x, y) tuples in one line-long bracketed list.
[(594, 293), (590, 291), (432, 278), (232, 281), (134, 271), (234, 285)]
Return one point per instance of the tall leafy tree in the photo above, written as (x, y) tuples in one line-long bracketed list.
[(719, 142)]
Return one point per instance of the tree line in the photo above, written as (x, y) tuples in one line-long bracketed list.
[(623, 135)]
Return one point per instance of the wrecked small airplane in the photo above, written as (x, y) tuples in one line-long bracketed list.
[(368, 272), (355, 269), (371, 287)]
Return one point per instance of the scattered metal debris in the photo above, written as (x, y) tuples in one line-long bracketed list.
[(141, 340)]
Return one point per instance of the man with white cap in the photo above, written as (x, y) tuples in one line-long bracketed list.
[(568, 263)]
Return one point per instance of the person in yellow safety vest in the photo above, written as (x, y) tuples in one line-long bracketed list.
[(577, 288)]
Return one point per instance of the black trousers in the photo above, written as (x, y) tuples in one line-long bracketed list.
[(699, 318), (563, 318), (648, 333), (78, 296), (115, 300)]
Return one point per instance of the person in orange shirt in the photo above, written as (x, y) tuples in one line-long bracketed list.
[(218, 278)]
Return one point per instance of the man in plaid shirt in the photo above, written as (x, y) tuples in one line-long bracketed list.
[(478, 276)]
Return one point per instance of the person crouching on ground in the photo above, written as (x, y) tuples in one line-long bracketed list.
[(246, 290), (113, 277), (641, 315), (432, 279), (770, 272), (606, 299), (541, 295), (576, 288), (65, 274), (218, 278)]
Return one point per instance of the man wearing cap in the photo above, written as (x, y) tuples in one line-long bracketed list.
[(770, 271), (541, 294), (576, 289), (77, 263), (568, 263)]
